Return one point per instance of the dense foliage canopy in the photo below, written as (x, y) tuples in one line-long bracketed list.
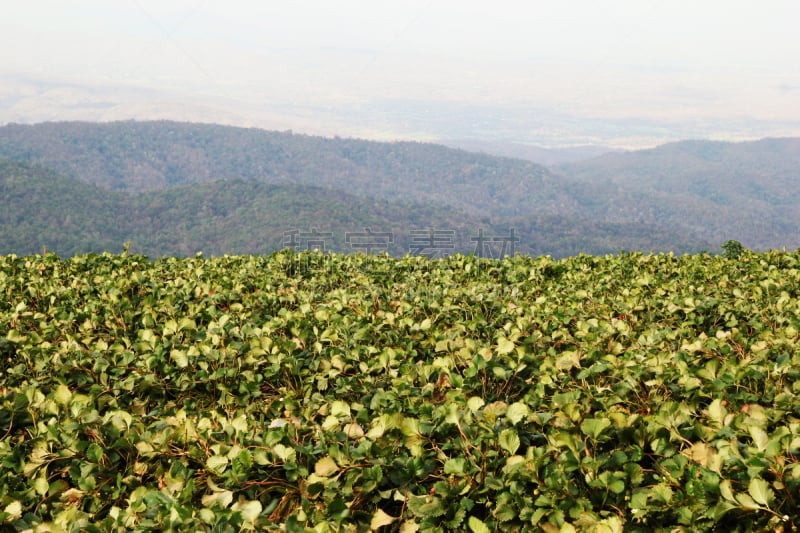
[(644, 392)]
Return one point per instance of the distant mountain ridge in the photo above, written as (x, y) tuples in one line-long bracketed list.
[(548, 157), (140, 156), (748, 191), (764, 170), (681, 196)]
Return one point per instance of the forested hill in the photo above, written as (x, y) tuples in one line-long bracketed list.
[(749, 191), (142, 156), (42, 210), (681, 197), (721, 172)]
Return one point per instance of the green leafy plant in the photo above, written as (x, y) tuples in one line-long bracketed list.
[(631, 392)]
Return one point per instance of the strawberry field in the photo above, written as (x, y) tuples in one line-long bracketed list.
[(310, 392)]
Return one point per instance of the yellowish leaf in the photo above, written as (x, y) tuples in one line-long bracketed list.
[(325, 466), (380, 519)]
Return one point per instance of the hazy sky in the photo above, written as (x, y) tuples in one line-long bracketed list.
[(642, 59)]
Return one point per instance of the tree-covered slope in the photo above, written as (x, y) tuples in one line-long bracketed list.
[(44, 210), (725, 173), (718, 190), (40, 209), (681, 197), (139, 156)]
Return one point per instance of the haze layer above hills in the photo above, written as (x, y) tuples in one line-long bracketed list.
[(160, 185)]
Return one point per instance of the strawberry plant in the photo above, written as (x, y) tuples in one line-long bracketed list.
[(304, 391)]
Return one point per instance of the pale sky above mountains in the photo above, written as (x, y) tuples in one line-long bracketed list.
[(590, 68)]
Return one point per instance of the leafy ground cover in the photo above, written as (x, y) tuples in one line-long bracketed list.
[(353, 393)]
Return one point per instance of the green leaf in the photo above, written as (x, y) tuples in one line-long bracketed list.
[(760, 438), (639, 498), (455, 466), (720, 510), (426, 506), (516, 412), (504, 346), (62, 394), (223, 498), (509, 440), (594, 427), (15, 336), (563, 439), (180, 358), (726, 490), (284, 453), (41, 486), (94, 453), (663, 492), (240, 423), (170, 327), (249, 509), (760, 491), (186, 323), (475, 403), (476, 525), (617, 486), (340, 408), (217, 463), (121, 420), (410, 427), (747, 502), (537, 515), (378, 427)]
